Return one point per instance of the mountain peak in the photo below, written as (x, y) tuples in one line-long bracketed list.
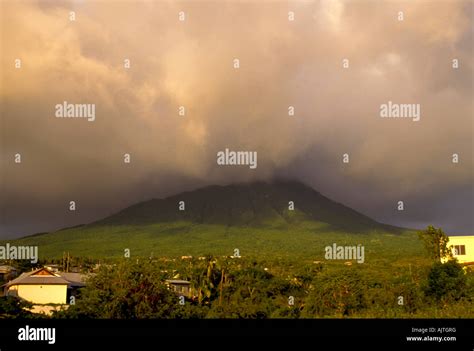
[(246, 204)]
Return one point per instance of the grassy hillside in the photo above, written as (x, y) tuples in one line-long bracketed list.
[(253, 218), (305, 240)]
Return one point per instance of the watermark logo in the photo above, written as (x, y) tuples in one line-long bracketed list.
[(237, 158), (336, 252), (11, 252), (75, 111), (37, 334), (393, 110)]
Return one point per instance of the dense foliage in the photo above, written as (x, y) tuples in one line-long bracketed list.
[(245, 288), (13, 307), (396, 281), (436, 243)]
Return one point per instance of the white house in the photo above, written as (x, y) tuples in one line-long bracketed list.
[(462, 248), (44, 286)]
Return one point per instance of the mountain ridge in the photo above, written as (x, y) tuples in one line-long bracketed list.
[(245, 204), (254, 217)]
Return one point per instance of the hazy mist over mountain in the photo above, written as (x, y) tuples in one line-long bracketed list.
[(191, 64)]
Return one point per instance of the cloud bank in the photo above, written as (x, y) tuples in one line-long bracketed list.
[(191, 64)]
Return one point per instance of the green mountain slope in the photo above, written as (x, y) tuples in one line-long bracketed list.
[(253, 218), (252, 204)]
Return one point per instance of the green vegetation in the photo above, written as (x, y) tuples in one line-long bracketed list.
[(276, 268), (248, 288), (13, 307), (282, 271), (447, 281), (436, 243), (255, 218), (303, 240)]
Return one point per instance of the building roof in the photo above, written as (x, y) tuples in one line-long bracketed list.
[(37, 277), (44, 276), (75, 279), (34, 280)]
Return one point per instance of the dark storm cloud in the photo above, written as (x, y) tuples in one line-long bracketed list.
[(189, 64)]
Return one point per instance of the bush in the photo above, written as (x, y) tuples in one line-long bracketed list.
[(340, 294), (14, 307), (128, 291), (446, 281)]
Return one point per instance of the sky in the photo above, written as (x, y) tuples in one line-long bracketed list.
[(190, 63)]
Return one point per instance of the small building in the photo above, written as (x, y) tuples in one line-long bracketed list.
[(43, 286), (463, 248), (180, 287), (40, 286)]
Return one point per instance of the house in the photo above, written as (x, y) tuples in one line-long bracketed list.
[(40, 286), (44, 286), (180, 287), (7, 273), (463, 248)]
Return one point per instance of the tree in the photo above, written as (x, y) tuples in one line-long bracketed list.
[(436, 243), (336, 294), (446, 281), (207, 281), (248, 293), (14, 307), (127, 290)]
